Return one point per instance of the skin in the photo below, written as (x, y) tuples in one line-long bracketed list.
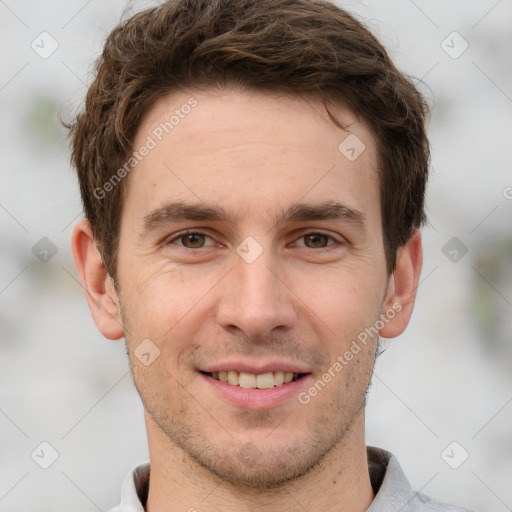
[(303, 300)]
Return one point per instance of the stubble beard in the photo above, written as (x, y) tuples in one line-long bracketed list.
[(276, 466), (273, 466)]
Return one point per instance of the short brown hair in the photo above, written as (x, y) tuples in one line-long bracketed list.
[(291, 46)]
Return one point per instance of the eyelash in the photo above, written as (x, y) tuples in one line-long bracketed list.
[(193, 232)]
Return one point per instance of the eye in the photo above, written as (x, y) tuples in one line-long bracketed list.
[(191, 239), (197, 240), (316, 240)]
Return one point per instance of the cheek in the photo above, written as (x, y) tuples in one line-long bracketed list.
[(346, 299), (163, 306), (157, 298)]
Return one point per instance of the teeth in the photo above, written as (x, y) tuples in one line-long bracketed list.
[(265, 381), (252, 381), (247, 380), (233, 378)]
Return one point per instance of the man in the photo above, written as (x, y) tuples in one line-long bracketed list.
[(253, 176)]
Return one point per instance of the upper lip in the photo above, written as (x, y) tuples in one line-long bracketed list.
[(256, 368)]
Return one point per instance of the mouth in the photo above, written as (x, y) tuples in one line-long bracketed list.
[(247, 380), (252, 386)]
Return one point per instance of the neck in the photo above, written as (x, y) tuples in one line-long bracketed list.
[(339, 482)]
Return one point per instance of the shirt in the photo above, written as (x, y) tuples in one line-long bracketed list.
[(392, 490)]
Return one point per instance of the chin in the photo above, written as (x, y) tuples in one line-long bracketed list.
[(263, 473), (262, 462)]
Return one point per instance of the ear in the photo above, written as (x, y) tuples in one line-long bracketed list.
[(402, 287), (97, 284)]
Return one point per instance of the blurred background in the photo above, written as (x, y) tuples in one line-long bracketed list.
[(71, 422)]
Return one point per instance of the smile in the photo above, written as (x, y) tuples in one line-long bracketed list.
[(255, 381)]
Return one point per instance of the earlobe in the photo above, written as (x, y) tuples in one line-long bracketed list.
[(402, 287), (97, 284)]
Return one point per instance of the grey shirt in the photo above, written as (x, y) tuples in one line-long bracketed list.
[(392, 490)]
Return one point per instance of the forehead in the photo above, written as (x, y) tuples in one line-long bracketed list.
[(251, 151)]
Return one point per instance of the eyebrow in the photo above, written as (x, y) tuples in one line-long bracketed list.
[(200, 212)]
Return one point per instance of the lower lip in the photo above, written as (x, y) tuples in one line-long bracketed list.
[(257, 398)]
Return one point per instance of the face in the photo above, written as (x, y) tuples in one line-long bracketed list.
[(251, 244)]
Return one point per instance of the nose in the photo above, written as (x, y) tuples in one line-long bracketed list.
[(256, 299)]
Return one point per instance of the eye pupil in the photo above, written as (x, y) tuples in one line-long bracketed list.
[(315, 237), (194, 239)]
